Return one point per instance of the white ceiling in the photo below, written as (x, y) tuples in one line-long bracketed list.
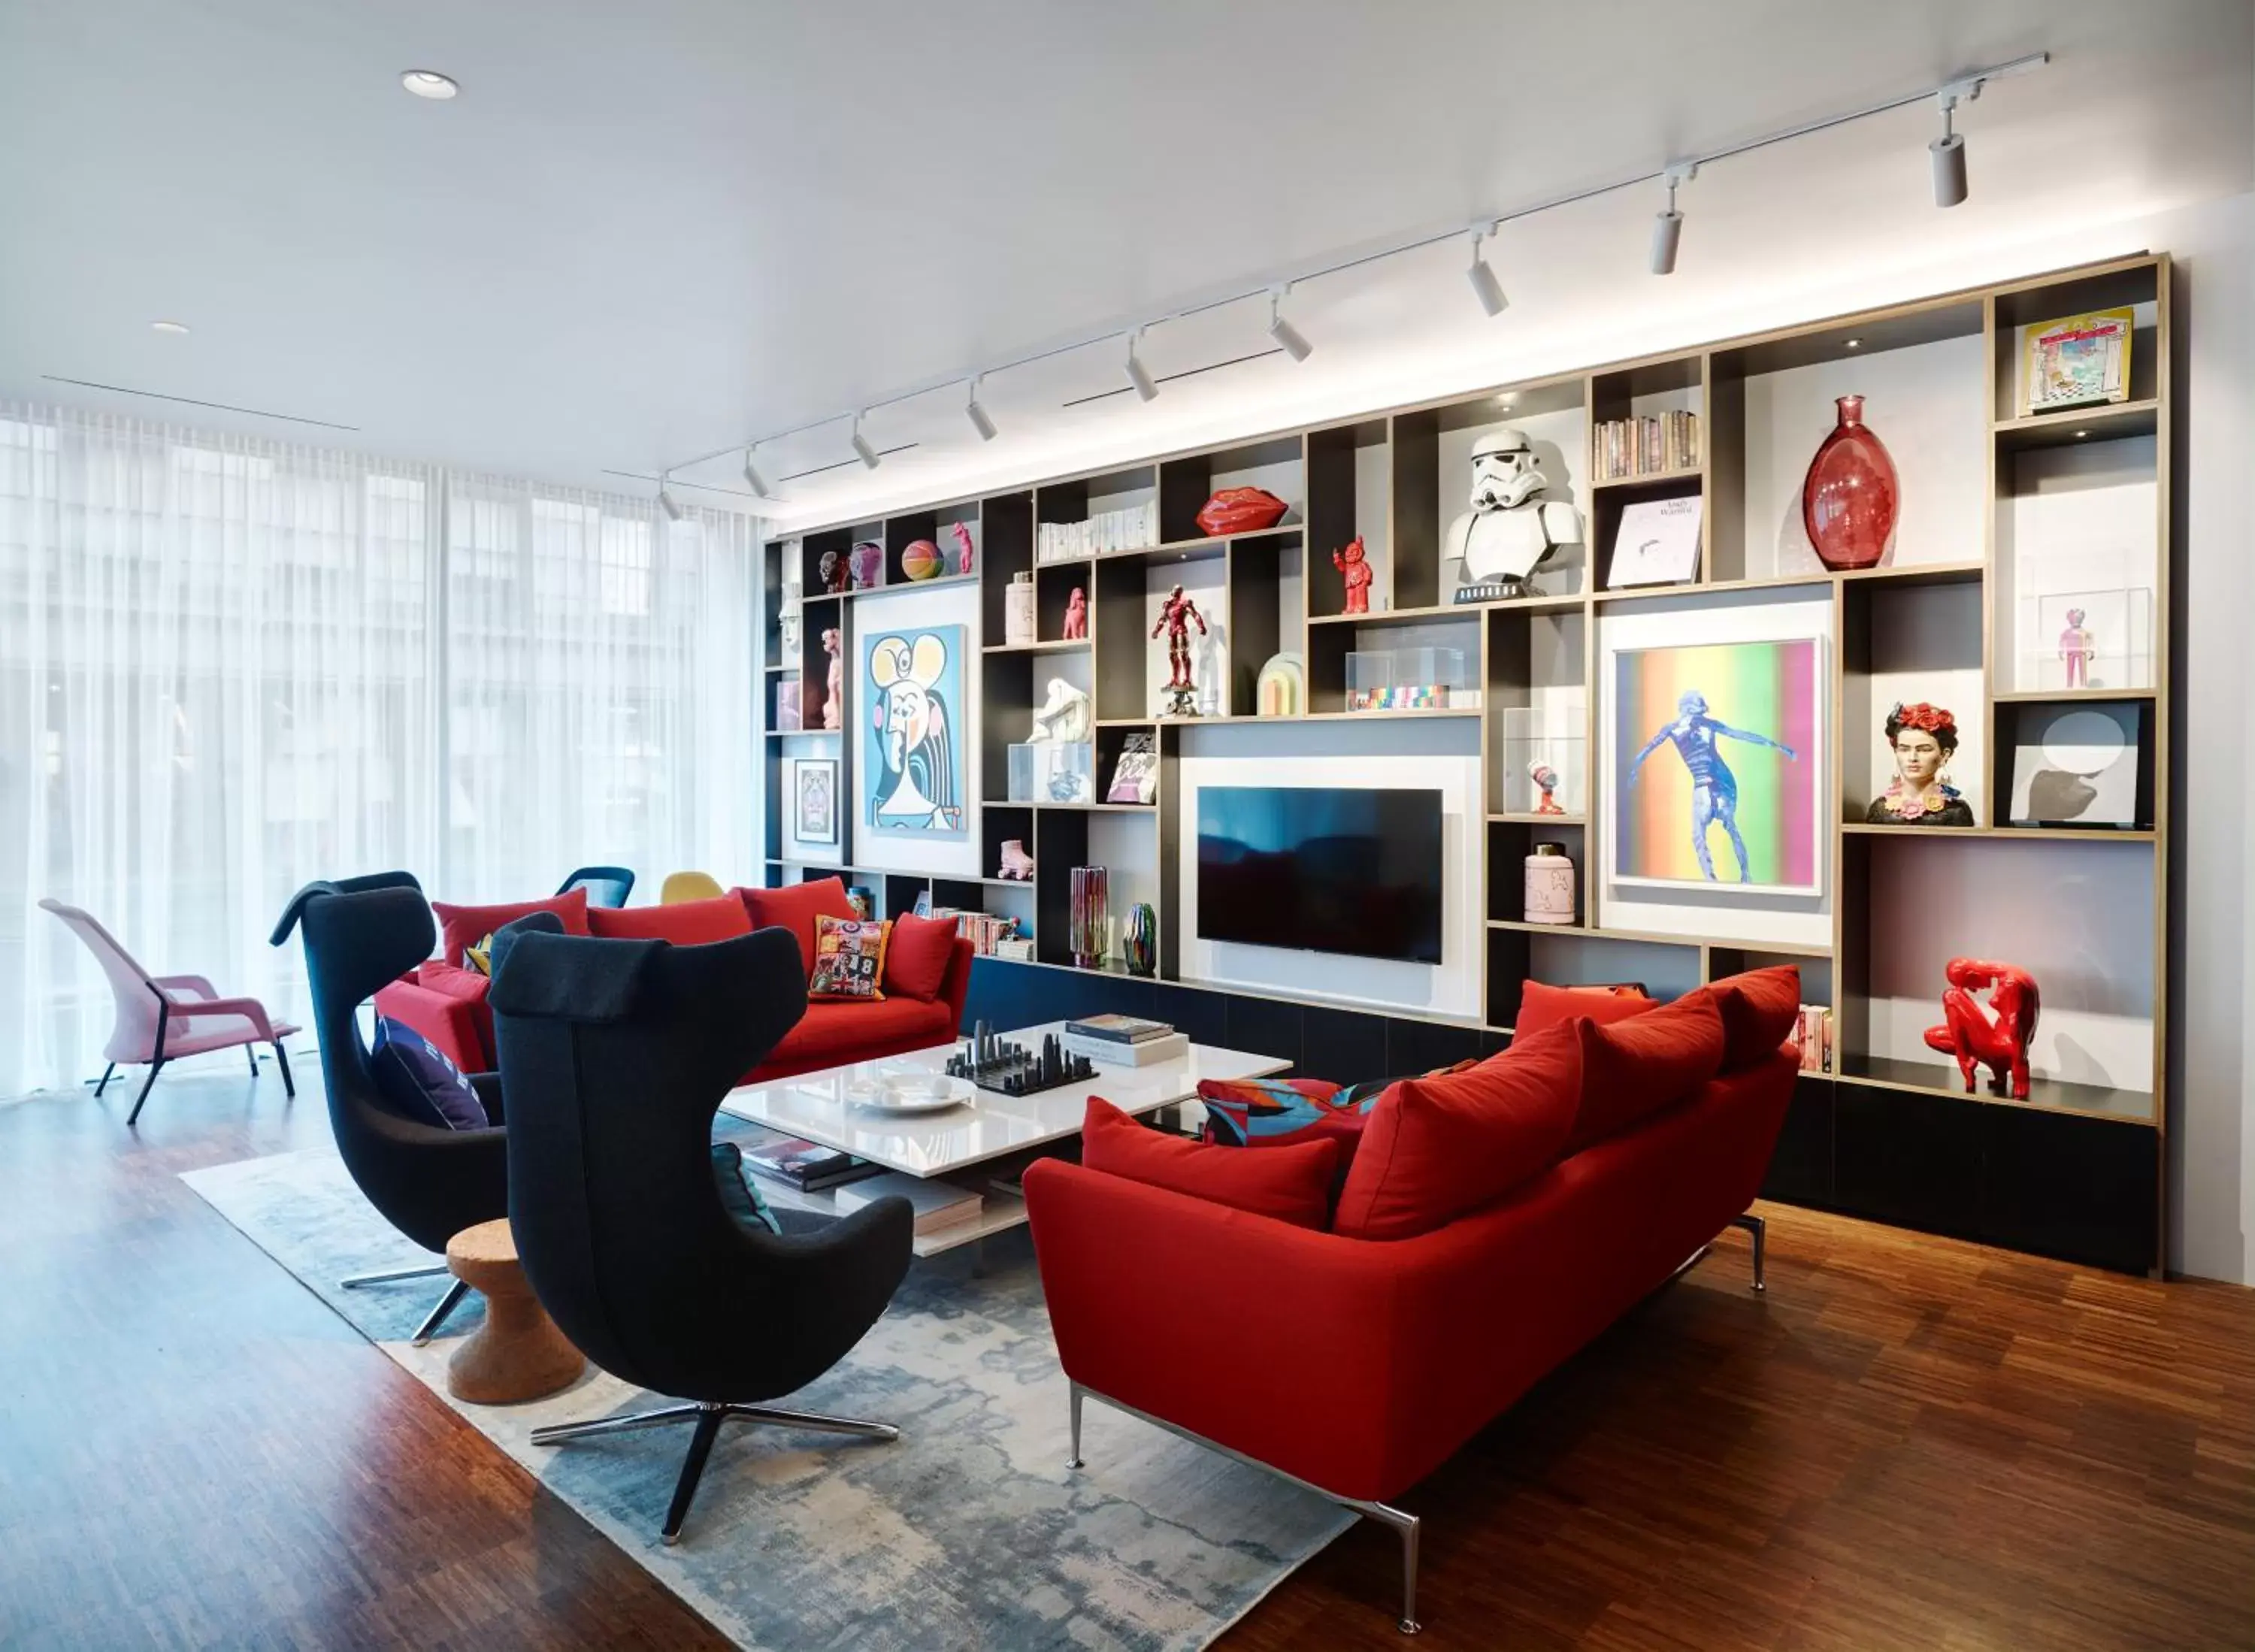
[(640, 234)]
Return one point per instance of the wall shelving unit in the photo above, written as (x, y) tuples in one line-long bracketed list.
[(1999, 507)]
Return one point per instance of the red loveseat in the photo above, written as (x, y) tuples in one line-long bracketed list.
[(1355, 1366), (446, 1002)]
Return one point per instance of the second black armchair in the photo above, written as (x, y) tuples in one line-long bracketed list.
[(615, 1055)]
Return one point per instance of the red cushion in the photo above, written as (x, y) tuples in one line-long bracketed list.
[(1542, 1005), (463, 927), (795, 907), (1290, 1183), (450, 981), (685, 923), (1760, 1009), (1438, 1148), (916, 958), (1644, 1066), (832, 1033)]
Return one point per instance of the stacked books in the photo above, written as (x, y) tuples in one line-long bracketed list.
[(808, 1166), (938, 1205), (1647, 447), (1130, 529), (985, 931), (1815, 1039), (1124, 1041)]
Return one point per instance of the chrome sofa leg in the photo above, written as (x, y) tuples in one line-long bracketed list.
[(437, 1317), (1073, 1459), (1406, 1524), (1755, 1226)]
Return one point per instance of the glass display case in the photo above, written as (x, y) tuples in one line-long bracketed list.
[(1409, 679), (1554, 737), (2087, 639)]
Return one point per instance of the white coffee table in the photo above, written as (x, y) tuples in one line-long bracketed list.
[(955, 1143)]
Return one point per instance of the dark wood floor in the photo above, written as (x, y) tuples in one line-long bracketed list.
[(1908, 1443)]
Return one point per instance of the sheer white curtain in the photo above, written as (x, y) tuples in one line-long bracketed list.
[(227, 667)]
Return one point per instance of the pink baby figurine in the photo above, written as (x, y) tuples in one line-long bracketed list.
[(961, 535), (2075, 649), (1075, 617)]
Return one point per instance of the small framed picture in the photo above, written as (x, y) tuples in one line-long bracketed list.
[(2075, 361), (2081, 764), (1657, 543), (814, 792)]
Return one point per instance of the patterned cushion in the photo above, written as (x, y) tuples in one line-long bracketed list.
[(1272, 1112), (417, 1081), (740, 1195), (849, 958)]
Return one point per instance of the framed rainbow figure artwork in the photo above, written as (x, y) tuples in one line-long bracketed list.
[(1719, 766)]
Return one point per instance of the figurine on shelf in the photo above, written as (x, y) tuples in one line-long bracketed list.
[(966, 551), (1511, 530), (1996, 1033), (1176, 614), (787, 623), (1546, 782), (1075, 617), (832, 571), (1924, 738), (2075, 649), (1714, 788), (1354, 568), (1064, 715), (834, 695), (1017, 865), (867, 564)]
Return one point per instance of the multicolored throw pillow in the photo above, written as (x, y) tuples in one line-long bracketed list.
[(1275, 1112), (849, 958)]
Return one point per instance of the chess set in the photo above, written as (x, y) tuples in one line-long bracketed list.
[(993, 1063)]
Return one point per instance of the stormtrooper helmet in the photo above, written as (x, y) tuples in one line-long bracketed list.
[(1504, 476)]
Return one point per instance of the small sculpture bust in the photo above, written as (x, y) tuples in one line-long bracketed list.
[(1923, 738), (1064, 715), (1511, 530), (831, 570)]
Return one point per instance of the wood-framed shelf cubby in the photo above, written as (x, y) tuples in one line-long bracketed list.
[(2007, 519)]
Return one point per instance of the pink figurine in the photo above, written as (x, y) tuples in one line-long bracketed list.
[(833, 697), (1545, 781), (1176, 614), (1356, 572), (1075, 617), (1996, 1033), (2075, 649), (961, 535)]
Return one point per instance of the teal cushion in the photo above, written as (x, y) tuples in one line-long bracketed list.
[(740, 1195)]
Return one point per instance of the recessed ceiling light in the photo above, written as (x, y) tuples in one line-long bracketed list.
[(429, 83), (1855, 344), (2080, 434), (168, 326)]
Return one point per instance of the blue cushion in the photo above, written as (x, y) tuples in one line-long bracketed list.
[(418, 1082), (740, 1195)]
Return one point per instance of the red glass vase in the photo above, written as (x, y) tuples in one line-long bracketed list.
[(1849, 499)]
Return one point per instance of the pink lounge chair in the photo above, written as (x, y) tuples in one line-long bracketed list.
[(162, 1016)]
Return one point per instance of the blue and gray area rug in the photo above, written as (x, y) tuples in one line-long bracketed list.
[(969, 1532)]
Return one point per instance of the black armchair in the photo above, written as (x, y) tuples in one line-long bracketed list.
[(361, 934), (616, 1054), (606, 885)]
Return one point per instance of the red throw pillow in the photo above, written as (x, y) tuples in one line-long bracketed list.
[(795, 907), (1760, 1009), (1291, 1184), (1644, 1066), (1436, 1149), (1542, 1005), (916, 957), (451, 981), (685, 923), (463, 927)]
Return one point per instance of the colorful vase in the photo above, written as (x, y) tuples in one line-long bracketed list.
[(1851, 496), (1550, 885), (1140, 943), (1090, 887)]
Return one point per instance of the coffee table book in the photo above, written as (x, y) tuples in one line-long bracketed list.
[(938, 1204)]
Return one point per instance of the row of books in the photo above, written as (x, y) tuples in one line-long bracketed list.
[(1815, 1039), (1128, 530), (987, 932), (1647, 447)]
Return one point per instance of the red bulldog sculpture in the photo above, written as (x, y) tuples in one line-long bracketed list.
[(1995, 1034)]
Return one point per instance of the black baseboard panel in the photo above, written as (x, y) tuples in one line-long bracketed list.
[(2050, 1183), (2080, 1190)]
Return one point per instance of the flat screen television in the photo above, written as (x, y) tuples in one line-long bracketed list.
[(1322, 870)]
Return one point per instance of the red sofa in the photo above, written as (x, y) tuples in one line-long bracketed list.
[(1358, 1367), (446, 1002)]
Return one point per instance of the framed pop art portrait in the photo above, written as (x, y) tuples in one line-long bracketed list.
[(912, 761)]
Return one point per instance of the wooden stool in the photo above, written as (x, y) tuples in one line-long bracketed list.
[(517, 1353)]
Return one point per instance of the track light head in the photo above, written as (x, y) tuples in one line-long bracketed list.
[(753, 479), (1668, 226), (1486, 287), (862, 451), (1138, 375), (666, 501), (1947, 153), (981, 419), (1294, 341)]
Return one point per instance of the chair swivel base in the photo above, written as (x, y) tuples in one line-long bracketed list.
[(708, 1416), (437, 1317)]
